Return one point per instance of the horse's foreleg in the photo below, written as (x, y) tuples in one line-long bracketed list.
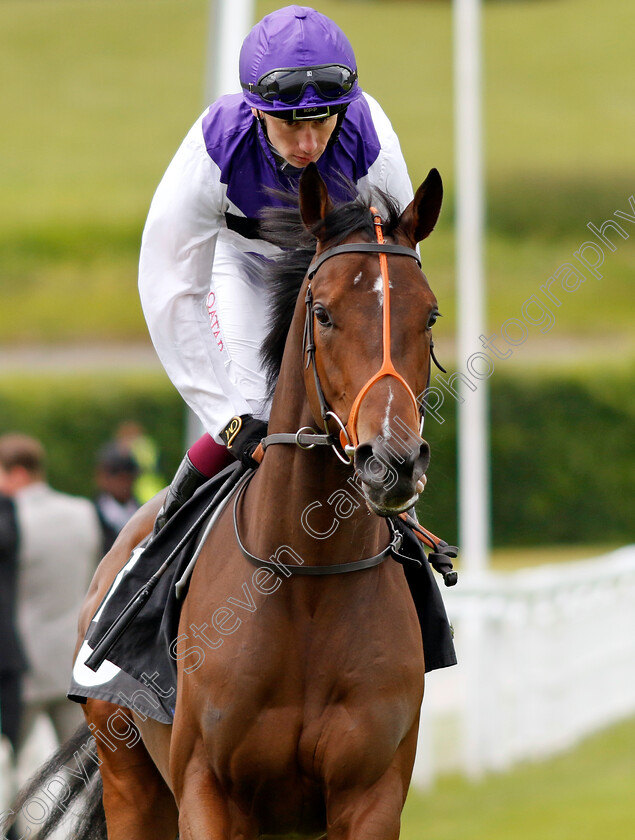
[(138, 803), (205, 813), (374, 813), (370, 815)]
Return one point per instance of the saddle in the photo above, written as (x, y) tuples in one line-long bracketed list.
[(128, 651)]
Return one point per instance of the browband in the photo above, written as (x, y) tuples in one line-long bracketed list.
[(363, 247)]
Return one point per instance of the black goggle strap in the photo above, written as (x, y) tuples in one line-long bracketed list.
[(310, 114)]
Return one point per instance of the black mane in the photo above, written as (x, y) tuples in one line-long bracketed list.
[(283, 227)]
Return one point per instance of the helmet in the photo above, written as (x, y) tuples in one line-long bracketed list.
[(298, 60)]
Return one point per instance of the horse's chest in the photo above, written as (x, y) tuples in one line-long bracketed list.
[(305, 727)]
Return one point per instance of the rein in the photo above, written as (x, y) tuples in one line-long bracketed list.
[(338, 569), (308, 438)]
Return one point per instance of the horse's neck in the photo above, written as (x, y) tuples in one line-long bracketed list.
[(314, 499), (313, 507)]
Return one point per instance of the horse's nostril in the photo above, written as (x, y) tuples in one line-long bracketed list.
[(370, 468), (377, 465), (423, 459)]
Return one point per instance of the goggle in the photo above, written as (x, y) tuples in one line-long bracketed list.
[(289, 83)]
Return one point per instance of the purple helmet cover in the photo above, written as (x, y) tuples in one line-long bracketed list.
[(294, 36)]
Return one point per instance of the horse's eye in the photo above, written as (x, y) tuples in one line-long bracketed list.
[(321, 315), (433, 318)]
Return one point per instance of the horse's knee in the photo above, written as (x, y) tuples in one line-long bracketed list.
[(137, 801), (374, 814)]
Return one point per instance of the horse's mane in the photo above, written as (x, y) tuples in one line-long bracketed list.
[(283, 227)]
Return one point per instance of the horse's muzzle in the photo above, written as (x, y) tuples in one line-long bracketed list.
[(392, 475)]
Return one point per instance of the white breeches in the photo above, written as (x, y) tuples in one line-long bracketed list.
[(238, 310)]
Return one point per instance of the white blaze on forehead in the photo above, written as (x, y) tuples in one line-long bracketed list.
[(357, 279), (385, 426), (378, 287)]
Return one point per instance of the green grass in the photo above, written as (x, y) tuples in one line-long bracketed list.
[(99, 97), (586, 794), (100, 93)]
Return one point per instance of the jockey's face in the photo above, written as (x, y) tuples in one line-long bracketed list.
[(300, 142)]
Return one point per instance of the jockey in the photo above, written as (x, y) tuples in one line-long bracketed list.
[(201, 264)]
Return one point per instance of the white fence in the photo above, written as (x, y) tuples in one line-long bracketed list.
[(546, 657)]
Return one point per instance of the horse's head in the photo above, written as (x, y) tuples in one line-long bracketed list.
[(367, 342)]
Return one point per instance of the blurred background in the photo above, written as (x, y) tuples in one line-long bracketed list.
[(98, 94)]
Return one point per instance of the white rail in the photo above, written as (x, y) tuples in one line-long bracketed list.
[(546, 657)]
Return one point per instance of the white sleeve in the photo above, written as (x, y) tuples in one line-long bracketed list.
[(175, 267), (389, 172)]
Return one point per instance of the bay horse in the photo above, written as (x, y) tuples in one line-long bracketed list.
[(304, 722)]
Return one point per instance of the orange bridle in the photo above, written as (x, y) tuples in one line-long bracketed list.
[(348, 432), (387, 368)]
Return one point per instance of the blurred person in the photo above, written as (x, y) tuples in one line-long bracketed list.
[(115, 502), (12, 661), (132, 437), (203, 259), (59, 547)]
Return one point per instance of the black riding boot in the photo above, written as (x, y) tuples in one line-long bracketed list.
[(186, 480)]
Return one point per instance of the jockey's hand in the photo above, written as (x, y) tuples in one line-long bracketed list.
[(242, 435)]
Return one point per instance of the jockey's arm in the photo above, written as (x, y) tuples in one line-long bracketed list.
[(177, 255)]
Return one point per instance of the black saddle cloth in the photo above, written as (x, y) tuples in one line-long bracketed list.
[(141, 669)]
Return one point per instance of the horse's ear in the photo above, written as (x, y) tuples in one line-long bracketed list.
[(314, 197), (420, 216)]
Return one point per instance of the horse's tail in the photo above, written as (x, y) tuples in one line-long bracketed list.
[(67, 787)]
